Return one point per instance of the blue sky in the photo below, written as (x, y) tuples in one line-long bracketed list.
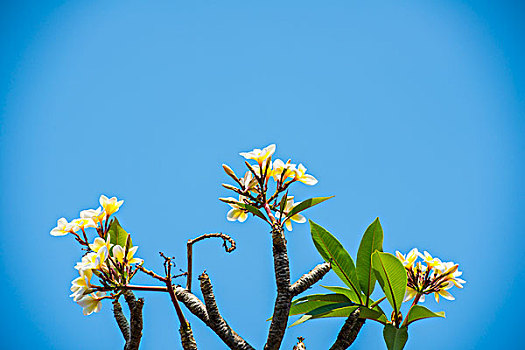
[(410, 112)]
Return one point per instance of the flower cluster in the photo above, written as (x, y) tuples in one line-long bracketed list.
[(88, 218), (430, 275), (107, 257), (253, 188)]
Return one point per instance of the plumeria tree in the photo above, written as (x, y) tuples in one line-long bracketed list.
[(108, 265)]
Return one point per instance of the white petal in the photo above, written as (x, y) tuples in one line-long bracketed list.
[(118, 253), (270, 149), (62, 222), (233, 214), (57, 232), (298, 218), (446, 295), (242, 216), (103, 200), (308, 180)]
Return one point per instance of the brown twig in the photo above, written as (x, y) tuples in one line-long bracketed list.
[(187, 339), (150, 273), (167, 280), (226, 239)]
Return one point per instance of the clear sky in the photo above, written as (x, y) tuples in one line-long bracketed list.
[(407, 111)]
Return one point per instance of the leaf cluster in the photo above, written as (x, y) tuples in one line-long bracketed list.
[(372, 265)]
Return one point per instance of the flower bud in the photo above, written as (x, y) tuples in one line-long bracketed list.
[(229, 200), (230, 187), (229, 171)]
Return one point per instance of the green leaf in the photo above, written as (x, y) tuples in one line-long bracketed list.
[(253, 210), (117, 235), (372, 240), (418, 312), (331, 310), (392, 277), (311, 302), (307, 306), (374, 304), (283, 204), (375, 314), (395, 338), (333, 252), (349, 293), (306, 204), (322, 297)]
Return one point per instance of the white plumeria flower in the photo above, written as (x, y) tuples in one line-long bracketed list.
[(119, 251), (279, 167), (302, 176), (95, 215), (429, 260), (411, 293), (110, 205), (443, 292), (82, 224), (410, 257), (62, 229), (101, 257), (94, 260), (288, 207), (99, 243), (259, 155), (87, 261), (91, 303), (248, 181), (454, 273), (237, 212), (81, 284), (257, 169)]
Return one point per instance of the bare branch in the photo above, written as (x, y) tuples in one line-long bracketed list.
[(215, 320), (284, 294), (225, 238), (122, 322), (309, 279), (349, 331)]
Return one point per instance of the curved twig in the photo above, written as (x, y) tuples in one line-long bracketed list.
[(226, 239)]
